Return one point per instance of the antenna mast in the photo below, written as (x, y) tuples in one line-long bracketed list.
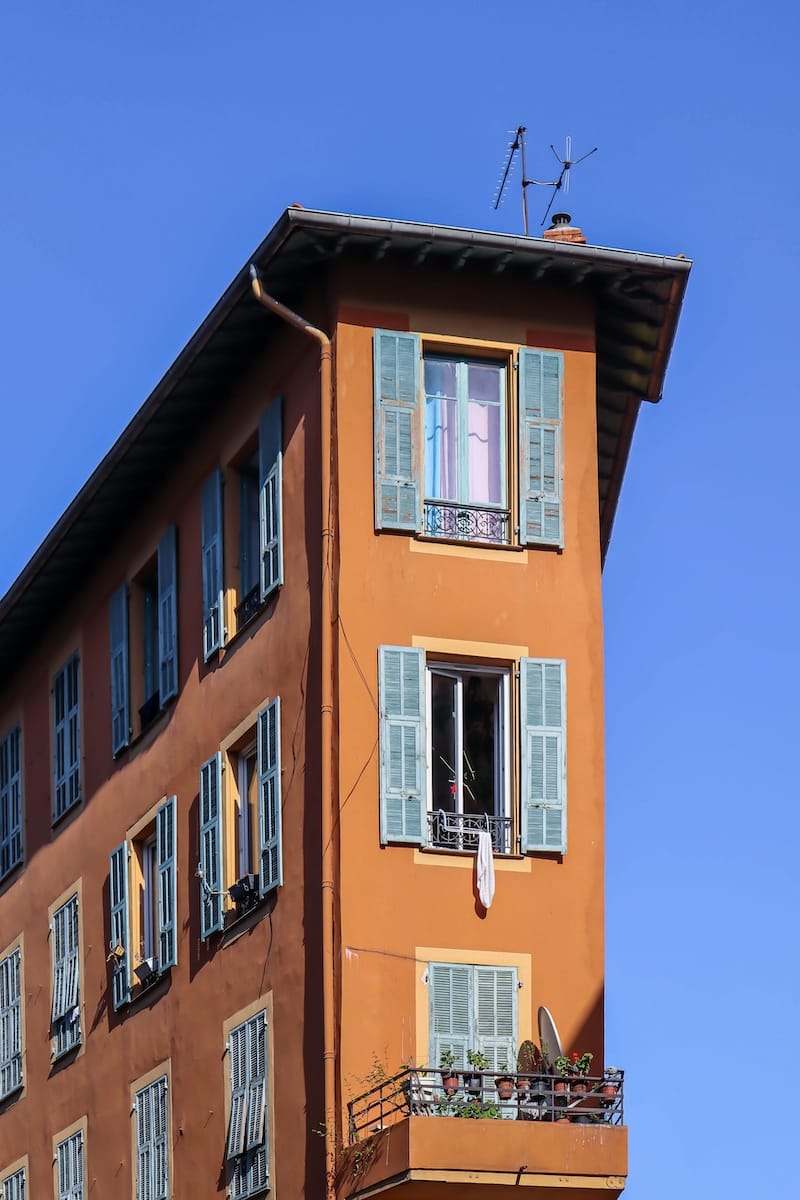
[(567, 163)]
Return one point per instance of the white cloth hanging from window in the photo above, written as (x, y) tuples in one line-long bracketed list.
[(485, 869)]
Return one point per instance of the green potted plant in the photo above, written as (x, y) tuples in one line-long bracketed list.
[(580, 1065), (447, 1063), (472, 1079)]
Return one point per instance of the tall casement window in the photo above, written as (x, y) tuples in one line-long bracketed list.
[(65, 947), (465, 449), (241, 854), (152, 1141), (257, 500), (10, 802), (247, 1147), (14, 1186), (447, 747), (70, 1170), (143, 896), (10, 1023), (67, 738), (143, 627), (473, 1008), (443, 467)]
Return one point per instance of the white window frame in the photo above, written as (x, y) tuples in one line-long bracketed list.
[(458, 670), (157, 1146)]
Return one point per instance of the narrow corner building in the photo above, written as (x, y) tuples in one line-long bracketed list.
[(301, 738)]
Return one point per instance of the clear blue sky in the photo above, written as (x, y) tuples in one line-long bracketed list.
[(146, 151)]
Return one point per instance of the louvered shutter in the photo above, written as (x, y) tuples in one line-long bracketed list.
[(237, 1053), (269, 797), (451, 1011), (256, 1080), (65, 959), (270, 458), (14, 1186), (66, 730), (168, 614), (10, 802), (540, 433), (213, 593), (166, 821), (120, 703), (10, 1023), (144, 1145), (543, 738), (398, 467), (496, 1015), (120, 935), (211, 845), (160, 1157), (401, 692), (70, 1168)]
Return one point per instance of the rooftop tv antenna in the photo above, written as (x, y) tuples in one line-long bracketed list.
[(567, 163)]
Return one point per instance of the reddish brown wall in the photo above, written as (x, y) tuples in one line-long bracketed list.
[(181, 1021)]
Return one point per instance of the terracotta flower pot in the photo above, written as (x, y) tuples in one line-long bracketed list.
[(505, 1086), (450, 1082)]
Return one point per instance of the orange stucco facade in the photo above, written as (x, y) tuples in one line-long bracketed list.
[(396, 908)]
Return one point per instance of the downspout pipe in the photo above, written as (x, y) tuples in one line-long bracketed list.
[(326, 715)]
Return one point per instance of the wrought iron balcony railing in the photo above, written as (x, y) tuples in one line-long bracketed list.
[(490, 1095), (459, 831), (466, 523)]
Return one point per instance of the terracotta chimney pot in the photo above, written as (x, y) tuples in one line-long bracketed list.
[(562, 231)]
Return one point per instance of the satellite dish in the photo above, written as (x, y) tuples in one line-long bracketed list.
[(548, 1037)]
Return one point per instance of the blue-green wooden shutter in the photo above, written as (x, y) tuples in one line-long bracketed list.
[(213, 594), (543, 737), (168, 614), (120, 692), (66, 1026), (540, 434), (152, 1149), (496, 1015), (270, 504), (401, 693), (398, 459), (166, 829), (238, 1058), (269, 797), (10, 1023), (247, 1145), (120, 928), (256, 1081), (211, 845), (10, 802), (450, 987), (70, 1168), (14, 1186), (67, 736)]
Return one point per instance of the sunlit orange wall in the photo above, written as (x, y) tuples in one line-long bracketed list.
[(397, 904)]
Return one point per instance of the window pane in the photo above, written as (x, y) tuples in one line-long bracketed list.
[(485, 454), (483, 382), (440, 378), (443, 743), (481, 699), (441, 449)]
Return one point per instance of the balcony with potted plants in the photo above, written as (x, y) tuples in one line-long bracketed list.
[(543, 1126)]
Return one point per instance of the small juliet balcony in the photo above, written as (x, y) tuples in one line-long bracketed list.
[(541, 1131)]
